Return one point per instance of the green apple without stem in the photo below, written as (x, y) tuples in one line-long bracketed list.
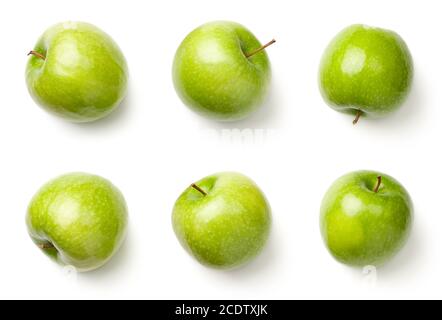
[(222, 71), (223, 220), (77, 71), (78, 219), (366, 71), (366, 218)]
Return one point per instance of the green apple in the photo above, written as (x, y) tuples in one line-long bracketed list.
[(222, 71), (78, 219), (223, 220), (366, 71), (366, 218), (77, 71)]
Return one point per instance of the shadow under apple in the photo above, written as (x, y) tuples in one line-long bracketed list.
[(256, 268), (118, 117), (266, 117), (113, 267), (407, 118), (404, 265)]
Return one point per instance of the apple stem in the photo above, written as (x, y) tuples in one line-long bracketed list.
[(46, 246), (378, 185), (204, 193), (358, 117), (36, 54), (251, 54)]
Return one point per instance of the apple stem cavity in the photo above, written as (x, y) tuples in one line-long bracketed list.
[(358, 117), (251, 54), (194, 186), (37, 54), (378, 185)]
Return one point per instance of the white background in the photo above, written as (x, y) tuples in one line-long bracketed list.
[(154, 147)]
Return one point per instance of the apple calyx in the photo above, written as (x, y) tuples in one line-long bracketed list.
[(358, 117), (37, 54), (378, 185), (251, 54), (194, 186)]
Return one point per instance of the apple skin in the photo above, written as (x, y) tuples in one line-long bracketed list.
[(79, 219), (213, 76), (226, 228), (367, 70), (84, 76), (361, 227)]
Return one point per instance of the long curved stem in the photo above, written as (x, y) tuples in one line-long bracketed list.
[(37, 54), (378, 185), (46, 246), (251, 54), (204, 193)]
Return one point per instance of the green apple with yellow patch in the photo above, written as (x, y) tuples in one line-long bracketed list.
[(76, 71), (79, 220)]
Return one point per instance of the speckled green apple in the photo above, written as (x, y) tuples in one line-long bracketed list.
[(78, 219), (366, 218), (223, 220), (77, 71), (366, 71), (222, 71)]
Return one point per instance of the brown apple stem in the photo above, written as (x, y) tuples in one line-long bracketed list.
[(46, 246), (37, 54), (251, 54), (358, 117), (204, 193), (378, 185)]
